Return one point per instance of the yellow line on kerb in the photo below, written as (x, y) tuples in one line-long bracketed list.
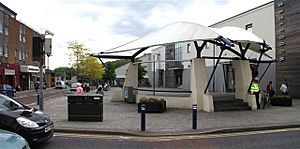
[(169, 138)]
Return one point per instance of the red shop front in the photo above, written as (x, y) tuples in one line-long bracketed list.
[(10, 74)]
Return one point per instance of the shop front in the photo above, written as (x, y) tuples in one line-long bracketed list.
[(10, 74), (29, 74)]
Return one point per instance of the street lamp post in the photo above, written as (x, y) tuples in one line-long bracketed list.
[(44, 51)]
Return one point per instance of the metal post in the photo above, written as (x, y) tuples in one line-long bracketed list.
[(111, 74), (222, 49), (42, 55), (41, 101), (194, 116), (256, 69), (264, 72), (153, 76), (143, 117)]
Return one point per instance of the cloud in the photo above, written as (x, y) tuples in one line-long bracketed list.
[(101, 25)]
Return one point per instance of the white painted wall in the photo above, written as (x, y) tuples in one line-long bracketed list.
[(263, 22), (121, 71), (161, 51)]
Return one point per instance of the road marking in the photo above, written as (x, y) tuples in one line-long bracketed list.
[(170, 138)]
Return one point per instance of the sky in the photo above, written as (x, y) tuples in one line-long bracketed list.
[(104, 24)]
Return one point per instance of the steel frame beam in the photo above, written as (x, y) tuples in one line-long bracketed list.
[(214, 70), (111, 74), (199, 49)]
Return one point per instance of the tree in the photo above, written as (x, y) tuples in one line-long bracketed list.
[(65, 72), (112, 65), (91, 69), (86, 67)]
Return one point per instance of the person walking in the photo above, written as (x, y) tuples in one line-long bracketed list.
[(79, 89), (255, 91), (284, 88), (270, 90)]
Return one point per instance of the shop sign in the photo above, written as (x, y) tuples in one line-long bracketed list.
[(9, 72)]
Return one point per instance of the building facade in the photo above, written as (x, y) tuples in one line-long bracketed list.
[(16, 50), (259, 20), (287, 35)]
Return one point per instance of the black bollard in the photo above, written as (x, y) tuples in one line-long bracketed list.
[(195, 116), (143, 117)]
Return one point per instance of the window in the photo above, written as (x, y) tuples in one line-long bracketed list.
[(1, 27), (6, 21), (20, 35), (6, 51), (188, 48), (249, 28), (20, 55), (1, 50), (23, 56), (1, 22), (24, 33), (16, 52), (178, 53), (6, 31)]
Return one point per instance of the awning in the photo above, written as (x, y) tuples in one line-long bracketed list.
[(172, 33), (187, 32)]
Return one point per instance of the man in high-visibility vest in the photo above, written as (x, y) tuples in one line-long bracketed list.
[(255, 90)]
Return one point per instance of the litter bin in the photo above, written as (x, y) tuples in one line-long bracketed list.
[(128, 95), (85, 107)]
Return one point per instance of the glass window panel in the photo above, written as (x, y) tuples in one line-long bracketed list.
[(6, 31), (1, 50), (6, 51)]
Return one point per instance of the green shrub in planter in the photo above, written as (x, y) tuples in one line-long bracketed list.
[(281, 100), (153, 105)]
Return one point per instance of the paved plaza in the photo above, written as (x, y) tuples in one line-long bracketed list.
[(123, 118)]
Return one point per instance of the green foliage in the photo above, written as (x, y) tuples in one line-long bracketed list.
[(65, 71), (78, 53), (91, 69), (141, 71), (112, 65), (87, 67), (282, 97), (151, 100)]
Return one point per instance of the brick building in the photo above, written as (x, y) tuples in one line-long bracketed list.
[(16, 51)]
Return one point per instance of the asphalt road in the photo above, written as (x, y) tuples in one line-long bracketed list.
[(29, 97), (275, 139)]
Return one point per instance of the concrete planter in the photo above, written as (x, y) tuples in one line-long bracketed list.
[(280, 100), (153, 107)]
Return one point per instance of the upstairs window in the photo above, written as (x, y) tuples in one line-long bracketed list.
[(6, 51), (1, 50), (1, 22)]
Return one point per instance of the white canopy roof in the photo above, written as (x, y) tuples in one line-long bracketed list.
[(185, 32), (239, 35), (172, 33)]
